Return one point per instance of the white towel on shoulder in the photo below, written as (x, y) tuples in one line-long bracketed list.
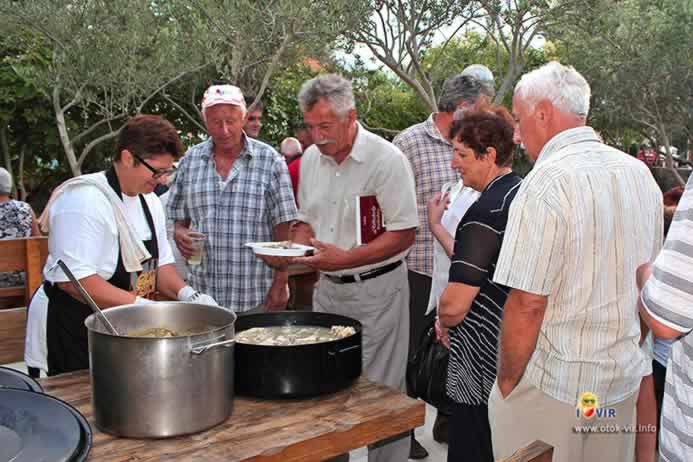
[(132, 250)]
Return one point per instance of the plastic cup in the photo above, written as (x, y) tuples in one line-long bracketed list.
[(198, 243)]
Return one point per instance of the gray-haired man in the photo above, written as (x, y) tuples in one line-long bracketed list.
[(429, 151), (586, 216), (367, 282)]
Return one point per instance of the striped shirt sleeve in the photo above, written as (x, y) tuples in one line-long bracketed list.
[(668, 294), (531, 256)]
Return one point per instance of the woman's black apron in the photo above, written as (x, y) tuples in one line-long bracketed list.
[(66, 334)]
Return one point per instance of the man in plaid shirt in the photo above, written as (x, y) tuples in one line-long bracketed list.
[(429, 151), (235, 190)]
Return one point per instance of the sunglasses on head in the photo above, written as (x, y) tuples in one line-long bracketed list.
[(156, 172)]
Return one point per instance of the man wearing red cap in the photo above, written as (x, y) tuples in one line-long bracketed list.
[(234, 190)]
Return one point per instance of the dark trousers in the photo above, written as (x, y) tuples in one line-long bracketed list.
[(659, 373), (419, 291), (469, 437)]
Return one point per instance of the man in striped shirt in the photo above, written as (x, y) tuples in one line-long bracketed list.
[(667, 307), (583, 221)]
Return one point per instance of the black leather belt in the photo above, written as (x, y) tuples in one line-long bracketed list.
[(370, 274)]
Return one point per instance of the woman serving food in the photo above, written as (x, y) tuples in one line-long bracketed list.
[(109, 229)]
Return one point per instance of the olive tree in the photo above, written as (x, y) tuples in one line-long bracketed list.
[(111, 59), (399, 33), (636, 56), (108, 59), (247, 41)]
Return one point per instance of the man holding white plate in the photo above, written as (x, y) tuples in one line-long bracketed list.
[(367, 282)]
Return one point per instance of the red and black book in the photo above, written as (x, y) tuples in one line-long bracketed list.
[(369, 219)]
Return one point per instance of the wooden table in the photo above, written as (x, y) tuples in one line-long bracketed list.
[(262, 430)]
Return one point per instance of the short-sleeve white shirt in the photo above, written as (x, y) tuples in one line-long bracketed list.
[(84, 234)]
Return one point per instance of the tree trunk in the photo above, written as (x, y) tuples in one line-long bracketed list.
[(669, 163), (6, 154), (514, 69), (19, 184), (64, 135)]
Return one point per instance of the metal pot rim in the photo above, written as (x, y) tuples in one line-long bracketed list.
[(219, 330)]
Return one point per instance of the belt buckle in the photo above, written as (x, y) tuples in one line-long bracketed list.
[(335, 279)]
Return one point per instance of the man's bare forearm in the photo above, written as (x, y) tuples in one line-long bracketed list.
[(522, 317), (281, 232), (302, 233)]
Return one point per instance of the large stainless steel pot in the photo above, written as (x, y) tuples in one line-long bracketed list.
[(162, 387)]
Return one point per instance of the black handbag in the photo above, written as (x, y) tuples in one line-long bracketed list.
[(427, 371)]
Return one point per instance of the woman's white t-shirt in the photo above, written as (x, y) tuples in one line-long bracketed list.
[(84, 235)]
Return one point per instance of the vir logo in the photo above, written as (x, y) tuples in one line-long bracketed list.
[(588, 407)]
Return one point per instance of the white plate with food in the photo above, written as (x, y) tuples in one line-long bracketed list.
[(281, 249)]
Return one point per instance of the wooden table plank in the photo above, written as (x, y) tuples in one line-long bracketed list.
[(262, 430)]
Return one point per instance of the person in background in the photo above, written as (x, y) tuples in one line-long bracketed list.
[(109, 229), (17, 220), (367, 282), (304, 136), (233, 189), (429, 151), (291, 149), (485, 78), (253, 118), (584, 219), (671, 201)]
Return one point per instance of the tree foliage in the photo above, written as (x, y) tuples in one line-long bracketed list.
[(636, 56), (111, 58), (475, 47), (108, 57), (399, 32), (28, 137)]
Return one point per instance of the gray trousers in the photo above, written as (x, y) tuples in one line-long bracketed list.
[(381, 304)]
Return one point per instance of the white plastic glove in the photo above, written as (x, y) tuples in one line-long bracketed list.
[(188, 294), (142, 301)]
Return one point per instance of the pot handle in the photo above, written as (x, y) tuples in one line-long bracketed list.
[(333, 357), (204, 348), (343, 350)]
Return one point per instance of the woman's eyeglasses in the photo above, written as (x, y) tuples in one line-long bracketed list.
[(156, 172)]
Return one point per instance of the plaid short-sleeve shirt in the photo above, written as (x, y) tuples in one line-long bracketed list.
[(242, 208), (429, 154)]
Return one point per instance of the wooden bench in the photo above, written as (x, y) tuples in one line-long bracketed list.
[(28, 255), (534, 452)]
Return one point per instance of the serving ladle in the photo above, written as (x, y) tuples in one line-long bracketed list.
[(90, 301)]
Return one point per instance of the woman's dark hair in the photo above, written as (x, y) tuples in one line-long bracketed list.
[(147, 136), (491, 127)]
